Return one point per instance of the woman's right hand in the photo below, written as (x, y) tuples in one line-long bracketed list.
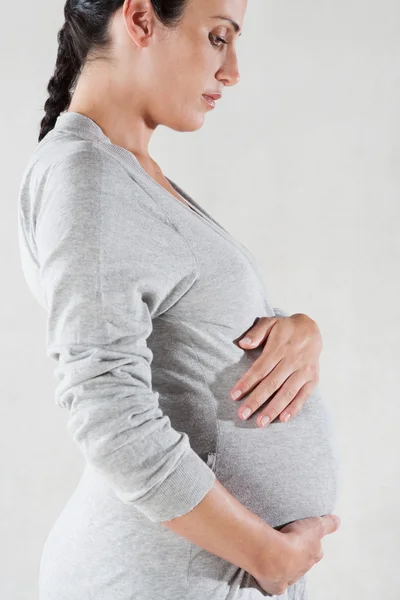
[(299, 550)]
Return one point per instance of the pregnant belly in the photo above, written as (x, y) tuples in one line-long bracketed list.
[(285, 471)]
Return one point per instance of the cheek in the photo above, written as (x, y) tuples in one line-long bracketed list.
[(183, 71), (196, 61)]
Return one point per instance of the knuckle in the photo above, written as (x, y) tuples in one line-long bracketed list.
[(257, 402), (291, 393), (262, 371), (273, 384), (273, 412), (246, 383)]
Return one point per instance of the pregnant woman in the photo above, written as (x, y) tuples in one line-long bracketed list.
[(148, 299)]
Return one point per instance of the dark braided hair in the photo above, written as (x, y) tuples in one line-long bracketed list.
[(85, 31)]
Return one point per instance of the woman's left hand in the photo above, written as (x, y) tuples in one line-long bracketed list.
[(289, 363)]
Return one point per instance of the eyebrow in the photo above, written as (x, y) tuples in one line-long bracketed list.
[(231, 21)]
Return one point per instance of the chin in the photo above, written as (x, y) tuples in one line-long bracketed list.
[(197, 120), (185, 121), (186, 125), (194, 126)]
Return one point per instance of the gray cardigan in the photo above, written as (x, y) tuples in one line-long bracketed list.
[(145, 299)]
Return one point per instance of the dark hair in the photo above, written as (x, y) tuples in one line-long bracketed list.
[(86, 30)]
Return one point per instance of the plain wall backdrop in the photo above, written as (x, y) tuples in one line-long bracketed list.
[(314, 126)]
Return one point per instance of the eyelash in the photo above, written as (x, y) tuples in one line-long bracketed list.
[(216, 37)]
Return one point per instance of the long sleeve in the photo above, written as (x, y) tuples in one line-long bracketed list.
[(110, 263)]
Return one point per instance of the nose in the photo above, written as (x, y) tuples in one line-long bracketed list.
[(229, 71)]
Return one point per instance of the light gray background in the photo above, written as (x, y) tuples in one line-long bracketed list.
[(313, 125)]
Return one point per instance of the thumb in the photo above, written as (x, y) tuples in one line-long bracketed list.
[(257, 334), (329, 524)]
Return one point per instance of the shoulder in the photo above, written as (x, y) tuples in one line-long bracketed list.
[(75, 191), (77, 162), (81, 163), (72, 174)]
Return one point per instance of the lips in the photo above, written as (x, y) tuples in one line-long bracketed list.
[(213, 96), (209, 100)]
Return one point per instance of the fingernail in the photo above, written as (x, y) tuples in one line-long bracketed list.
[(286, 417), (264, 421), (246, 340), (246, 413), (236, 394)]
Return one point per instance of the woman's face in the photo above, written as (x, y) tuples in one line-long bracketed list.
[(177, 66)]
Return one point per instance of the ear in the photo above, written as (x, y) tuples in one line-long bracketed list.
[(139, 20)]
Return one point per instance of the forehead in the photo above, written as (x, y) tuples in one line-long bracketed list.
[(213, 12)]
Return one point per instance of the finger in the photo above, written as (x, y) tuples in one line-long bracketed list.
[(298, 402), (259, 370), (282, 399), (262, 393), (258, 334), (329, 524)]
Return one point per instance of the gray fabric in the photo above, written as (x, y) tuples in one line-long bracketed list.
[(279, 312), (145, 299)]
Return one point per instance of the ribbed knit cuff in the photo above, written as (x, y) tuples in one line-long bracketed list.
[(180, 492)]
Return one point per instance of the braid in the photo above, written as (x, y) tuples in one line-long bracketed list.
[(84, 32), (59, 86)]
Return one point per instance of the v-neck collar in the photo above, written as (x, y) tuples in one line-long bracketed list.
[(196, 206), (86, 128)]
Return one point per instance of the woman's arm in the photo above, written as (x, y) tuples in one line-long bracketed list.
[(105, 254), (223, 526)]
